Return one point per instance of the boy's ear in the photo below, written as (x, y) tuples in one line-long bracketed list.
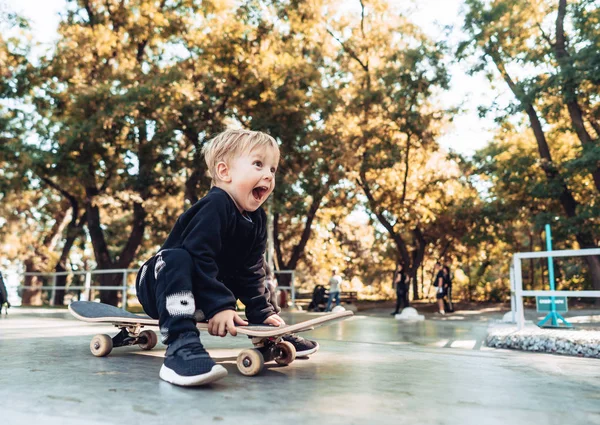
[(223, 172)]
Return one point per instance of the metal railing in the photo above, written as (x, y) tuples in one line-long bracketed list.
[(291, 287), (87, 289), (516, 281)]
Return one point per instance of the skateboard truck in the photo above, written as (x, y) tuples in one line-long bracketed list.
[(252, 360), (101, 344)]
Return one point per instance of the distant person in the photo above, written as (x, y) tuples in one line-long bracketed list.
[(401, 288), (439, 284), (319, 298), (334, 289), (3, 295), (448, 305)]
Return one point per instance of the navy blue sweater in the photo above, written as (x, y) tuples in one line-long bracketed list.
[(228, 254)]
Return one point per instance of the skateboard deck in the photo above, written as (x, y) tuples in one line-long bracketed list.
[(267, 339)]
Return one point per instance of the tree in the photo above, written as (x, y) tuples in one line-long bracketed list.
[(395, 72), (502, 33), (106, 96), (22, 207), (287, 95)]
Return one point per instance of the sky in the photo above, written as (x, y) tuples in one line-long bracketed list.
[(465, 135)]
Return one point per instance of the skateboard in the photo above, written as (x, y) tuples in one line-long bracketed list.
[(267, 339)]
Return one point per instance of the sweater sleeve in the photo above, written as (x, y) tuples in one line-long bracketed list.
[(251, 279), (203, 239)]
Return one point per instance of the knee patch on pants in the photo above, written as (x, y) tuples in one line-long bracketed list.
[(181, 304)]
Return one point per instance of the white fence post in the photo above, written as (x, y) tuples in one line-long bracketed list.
[(519, 294), (53, 293), (88, 286), (512, 290), (124, 296), (517, 307), (293, 289)]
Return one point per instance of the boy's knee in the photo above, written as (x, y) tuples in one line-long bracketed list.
[(178, 258)]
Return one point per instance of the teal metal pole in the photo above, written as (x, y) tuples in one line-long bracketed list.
[(551, 272), (553, 314)]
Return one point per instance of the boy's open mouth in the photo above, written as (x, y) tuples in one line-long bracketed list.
[(259, 192)]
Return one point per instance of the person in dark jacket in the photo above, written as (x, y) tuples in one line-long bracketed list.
[(213, 257), (448, 304), (440, 285), (399, 283), (3, 295)]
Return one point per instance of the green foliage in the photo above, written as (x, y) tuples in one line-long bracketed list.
[(106, 131), (545, 53)]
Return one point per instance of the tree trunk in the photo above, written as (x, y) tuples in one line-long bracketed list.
[(73, 232), (470, 282), (138, 223), (31, 296), (415, 286), (39, 261), (61, 280), (100, 247), (410, 262), (192, 183), (567, 201), (102, 254), (423, 279), (74, 229), (570, 86), (297, 250), (418, 256)]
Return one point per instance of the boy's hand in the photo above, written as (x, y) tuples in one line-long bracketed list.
[(274, 320), (225, 321)]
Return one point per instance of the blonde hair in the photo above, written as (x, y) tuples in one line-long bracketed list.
[(226, 145)]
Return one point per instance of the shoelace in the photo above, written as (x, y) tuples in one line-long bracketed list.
[(294, 338), (194, 351)]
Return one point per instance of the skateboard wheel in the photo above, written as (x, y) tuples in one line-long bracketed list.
[(287, 353), (101, 345), (250, 362), (151, 340)]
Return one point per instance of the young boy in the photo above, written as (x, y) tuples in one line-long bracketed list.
[(212, 257)]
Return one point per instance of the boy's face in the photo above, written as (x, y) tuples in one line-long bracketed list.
[(251, 178)]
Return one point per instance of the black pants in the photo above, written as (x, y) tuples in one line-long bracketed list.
[(401, 300), (164, 288), (448, 305)]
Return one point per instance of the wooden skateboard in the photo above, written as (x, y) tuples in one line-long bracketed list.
[(267, 339)]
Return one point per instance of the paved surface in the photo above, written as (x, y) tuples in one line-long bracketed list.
[(371, 369)]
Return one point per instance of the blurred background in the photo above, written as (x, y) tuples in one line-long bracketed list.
[(410, 132)]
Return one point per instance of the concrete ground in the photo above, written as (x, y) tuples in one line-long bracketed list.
[(371, 369)]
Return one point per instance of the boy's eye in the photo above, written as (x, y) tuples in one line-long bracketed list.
[(258, 163), (273, 170)]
